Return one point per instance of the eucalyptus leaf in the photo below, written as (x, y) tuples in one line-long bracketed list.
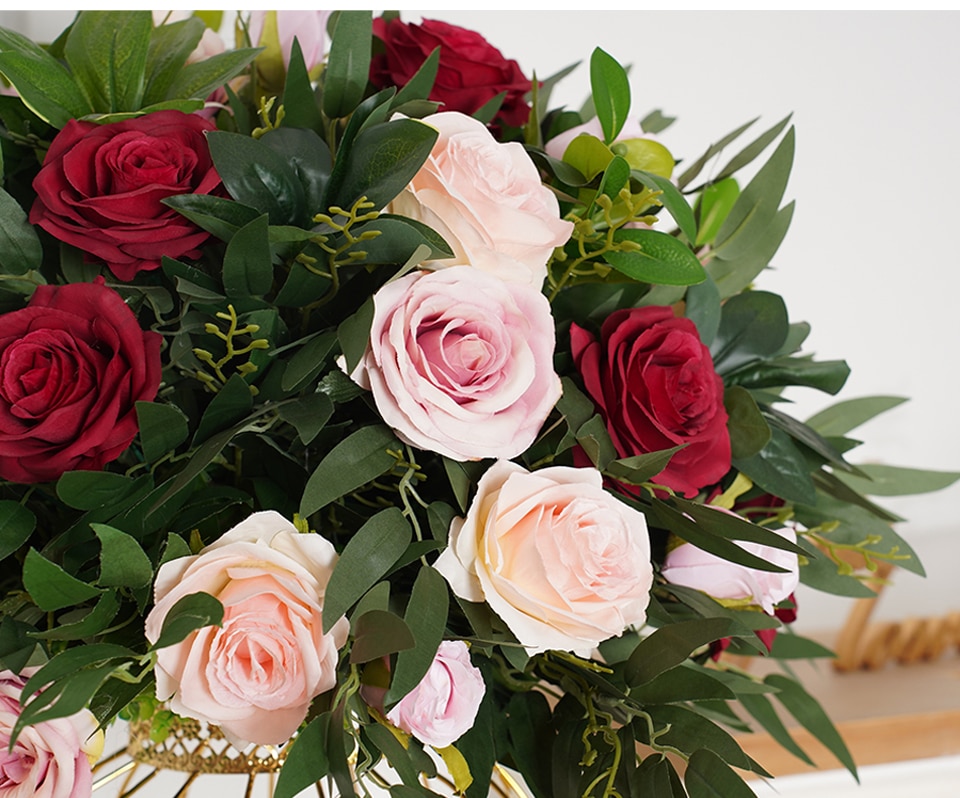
[(305, 759), (708, 776), (670, 646), (763, 712), (697, 166), (52, 588), (308, 361), (703, 308), (673, 201), (379, 633)]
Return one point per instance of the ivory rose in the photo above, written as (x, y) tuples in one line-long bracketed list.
[(562, 562), (486, 199), (689, 566), (51, 759), (444, 705), (256, 675), (461, 363)]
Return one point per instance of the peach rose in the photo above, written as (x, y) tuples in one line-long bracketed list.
[(562, 562), (487, 200), (689, 566), (443, 707), (51, 759), (461, 363), (256, 675)]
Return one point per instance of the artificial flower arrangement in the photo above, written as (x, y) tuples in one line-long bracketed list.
[(356, 401)]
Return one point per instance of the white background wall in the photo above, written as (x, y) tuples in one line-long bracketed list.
[(871, 260)]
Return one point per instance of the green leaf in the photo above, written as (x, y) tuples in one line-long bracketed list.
[(640, 468), (757, 206), (713, 206), (16, 525), (399, 239), (703, 308), (247, 270), (588, 155), (43, 84), (107, 53), (749, 431), (309, 157), (610, 88), (20, 249), (351, 464), (662, 259), (840, 418), (309, 414), (217, 215), (52, 588), (673, 201), (170, 45), (824, 375), (88, 490), (65, 698), (793, 646), (670, 646), (753, 325), (163, 428), (379, 633), (202, 78), (299, 102), (256, 175), (348, 65), (192, 612), (780, 468), (804, 707), (752, 150), (367, 557), (308, 362), (760, 707), (123, 562), (426, 617), (690, 732), (395, 753), (354, 335), (382, 161), (94, 622), (596, 443), (615, 177), (488, 111), (305, 759), (888, 480), (656, 776), (685, 682), (231, 403), (708, 776), (697, 166), (74, 659), (421, 84)]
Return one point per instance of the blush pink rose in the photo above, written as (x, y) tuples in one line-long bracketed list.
[(562, 562), (487, 200), (256, 675), (443, 707), (689, 566), (50, 759), (461, 363)]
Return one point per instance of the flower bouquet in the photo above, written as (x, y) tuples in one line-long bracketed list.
[(358, 404)]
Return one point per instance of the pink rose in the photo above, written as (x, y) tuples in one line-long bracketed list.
[(50, 759), (443, 707), (256, 675), (689, 566), (487, 200), (461, 363), (560, 560)]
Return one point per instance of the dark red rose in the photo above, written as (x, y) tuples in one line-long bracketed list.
[(472, 71), (655, 386), (72, 365), (101, 186)]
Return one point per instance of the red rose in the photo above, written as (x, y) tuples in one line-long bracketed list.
[(472, 71), (655, 385), (72, 365), (101, 186)]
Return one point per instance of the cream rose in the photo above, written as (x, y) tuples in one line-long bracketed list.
[(50, 759), (461, 363), (487, 200), (561, 561), (443, 706), (256, 675), (689, 566)]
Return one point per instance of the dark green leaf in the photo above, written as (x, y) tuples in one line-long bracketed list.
[(840, 418), (708, 776), (753, 325), (610, 88), (308, 414), (531, 736), (308, 362), (662, 259), (656, 776), (65, 698), (351, 464), (459, 482), (20, 249), (641, 467), (377, 634), (399, 239), (74, 659), (395, 753), (426, 617), (690, 732), (793, 646), (703, 309), (420, 85), (354, 335), (804, 707), (94, 622), (299, 102), (305, 759), (16, 645), (16, 525), (201, 78), (749, 431), (247, 270), (232, 403), (87, 490), (821, 573), (824, 375), (670, 645), (163, 428), (615, 177), (781, 469), (763, 712), (309, 156), (595, 442), (488, 111), (52, 588), (192, 612), (107, 53), (673, 201), (170, 45), (123, 562), (367, 557), (348, 65), (256, 175), (217, 215), (682, 683)]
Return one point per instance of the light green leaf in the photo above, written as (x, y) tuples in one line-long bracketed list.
[(662, 259), (588, 155), (888, 480), (371, 552), (840, 418), (713, 206)]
